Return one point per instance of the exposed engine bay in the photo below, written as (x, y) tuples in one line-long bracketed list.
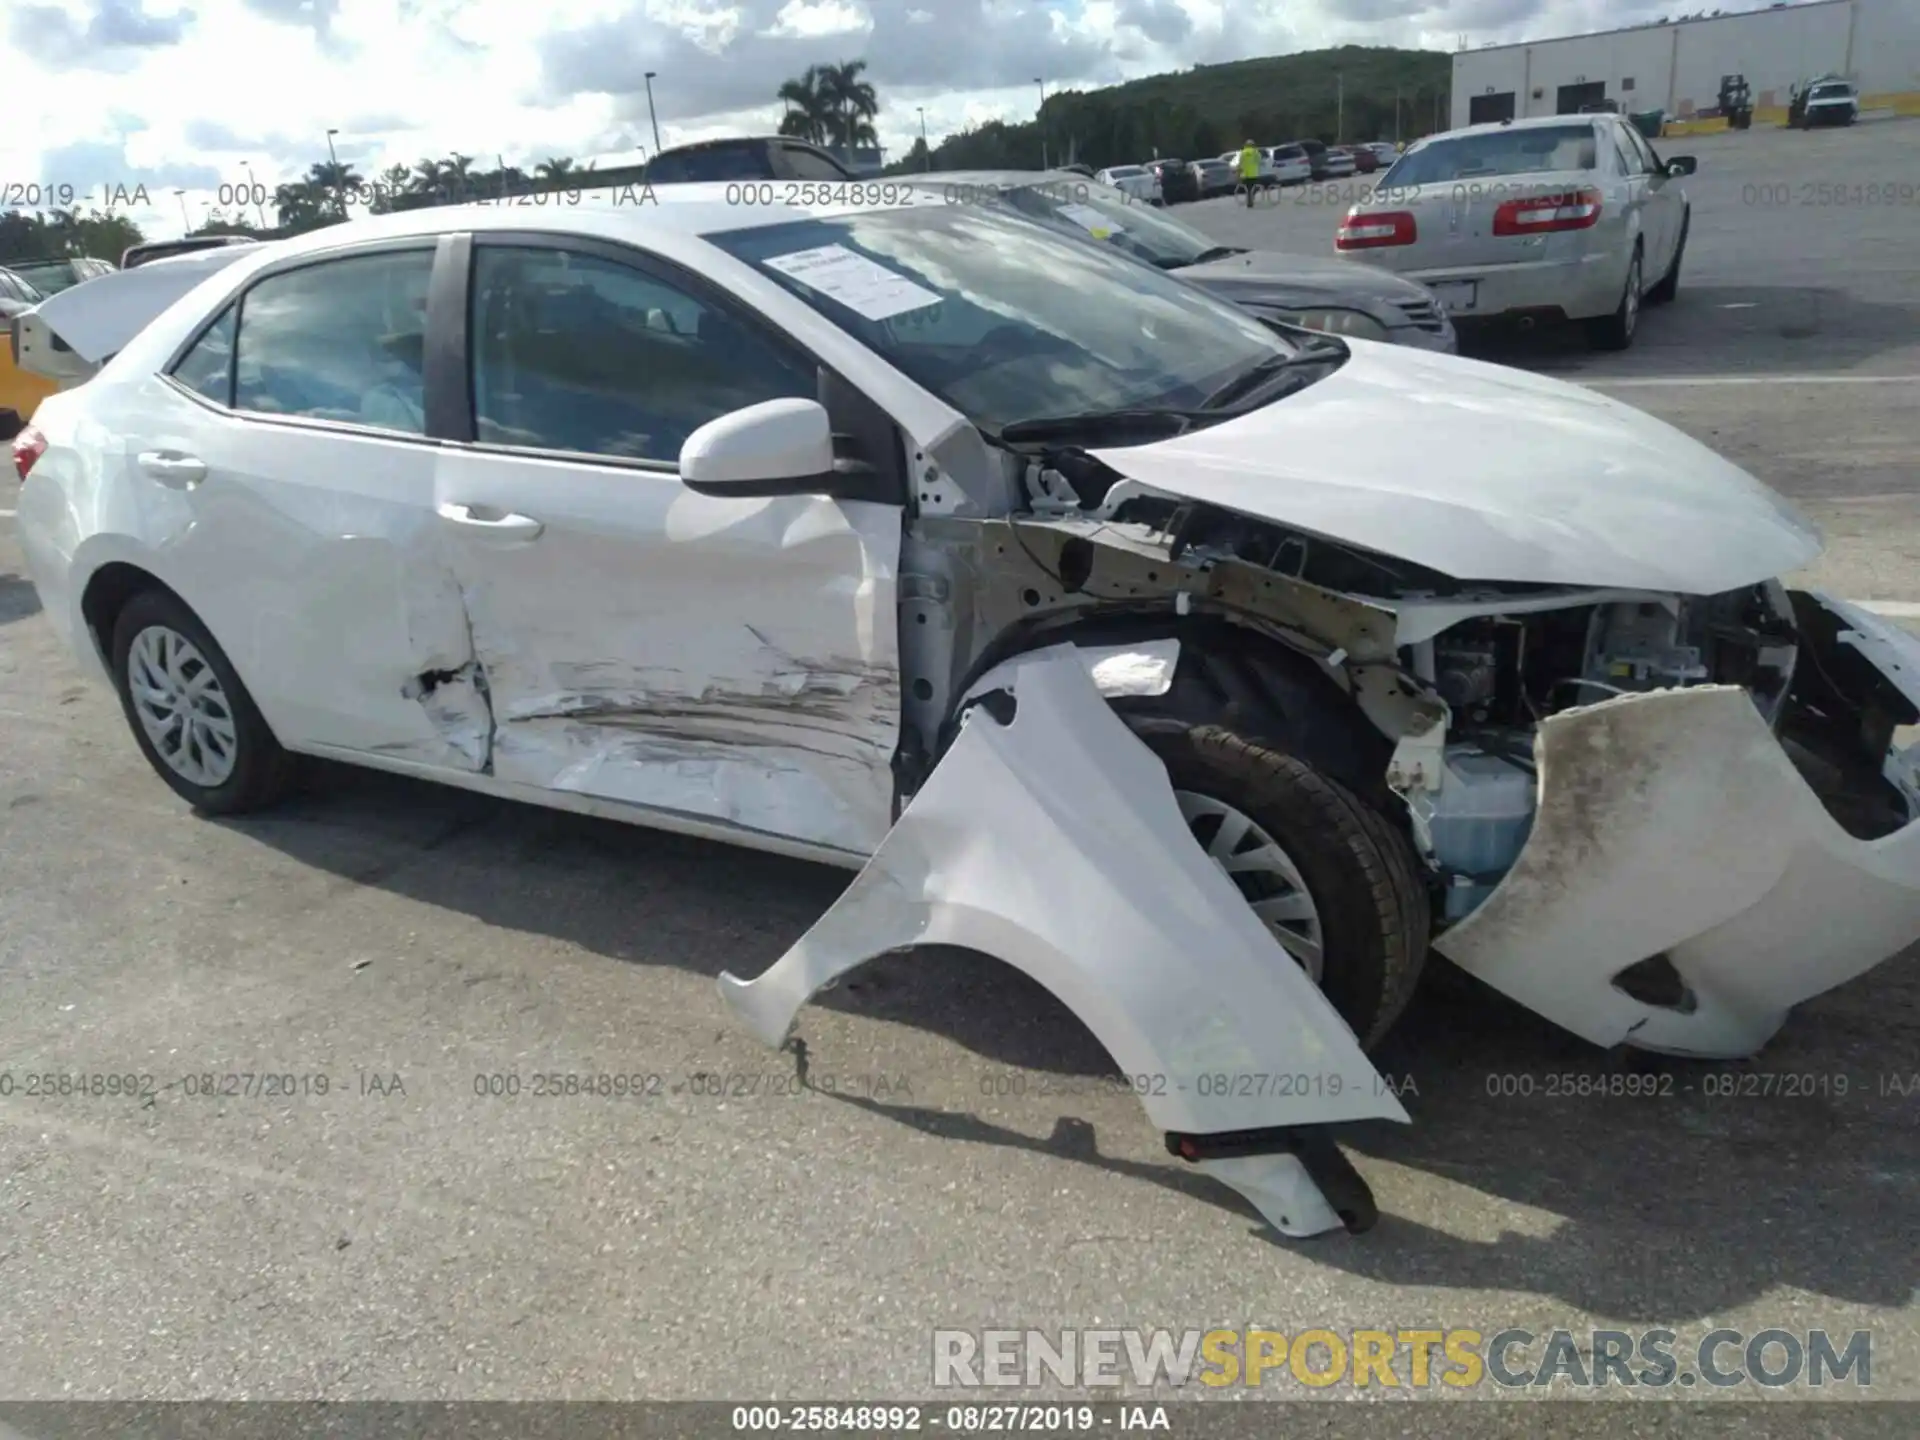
[(1458, 676)]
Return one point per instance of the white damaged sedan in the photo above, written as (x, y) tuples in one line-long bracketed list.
[(1205, 669)]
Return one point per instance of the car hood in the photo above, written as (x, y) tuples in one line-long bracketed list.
[(1267, 275), (1483, 472)]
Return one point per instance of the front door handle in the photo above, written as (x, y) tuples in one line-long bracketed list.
[(171, 468), (502, 524)]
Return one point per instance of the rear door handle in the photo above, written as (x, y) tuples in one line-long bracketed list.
[(171, 468), (502, 524)]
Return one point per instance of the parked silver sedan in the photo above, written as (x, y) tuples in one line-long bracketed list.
[(1572, 217)]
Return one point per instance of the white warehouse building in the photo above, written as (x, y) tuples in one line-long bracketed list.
[(1677, 66)]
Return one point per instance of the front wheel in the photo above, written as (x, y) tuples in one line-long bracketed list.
[(1669, 285), (1332, 879)]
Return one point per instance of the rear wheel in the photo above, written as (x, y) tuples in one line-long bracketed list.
[(1329, 876), (188, 711), (1616, 331)]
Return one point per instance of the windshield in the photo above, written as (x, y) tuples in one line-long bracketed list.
[(1125, 172), (1832, 92), (1496, 152), (1006, 319), (1110, 214), (47, 276)]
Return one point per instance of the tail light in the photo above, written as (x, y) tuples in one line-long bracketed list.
[(28, 446), (1364, 230), (1543, 214)]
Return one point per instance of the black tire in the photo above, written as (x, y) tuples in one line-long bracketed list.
[(1360, 871), (1669, 286), (262, 771), (1616, 331)]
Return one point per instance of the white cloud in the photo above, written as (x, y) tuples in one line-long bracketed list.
[(188, 93)]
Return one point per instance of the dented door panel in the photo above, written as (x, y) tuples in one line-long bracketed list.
[(1052, 841), (735, 660)]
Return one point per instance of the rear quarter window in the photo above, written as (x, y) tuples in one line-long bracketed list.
[(1497, 153)]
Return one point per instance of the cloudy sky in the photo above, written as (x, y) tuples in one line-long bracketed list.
[(196, 94)]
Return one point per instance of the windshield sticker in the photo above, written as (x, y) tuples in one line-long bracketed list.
[(1091, 220), (867, 289)]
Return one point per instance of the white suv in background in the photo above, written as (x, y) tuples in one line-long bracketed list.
[(1138, 181)]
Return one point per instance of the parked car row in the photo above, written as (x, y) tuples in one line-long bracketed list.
[(1170, 181)]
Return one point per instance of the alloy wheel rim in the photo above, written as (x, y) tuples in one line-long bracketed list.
[(1263, 872), (182, 706)]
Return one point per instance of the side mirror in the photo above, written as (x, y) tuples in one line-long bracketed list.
[(778, 447), (1682, 165)]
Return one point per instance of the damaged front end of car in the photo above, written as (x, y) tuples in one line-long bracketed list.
[(1639, 813)]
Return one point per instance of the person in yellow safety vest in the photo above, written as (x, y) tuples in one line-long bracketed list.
[(1249, 169)]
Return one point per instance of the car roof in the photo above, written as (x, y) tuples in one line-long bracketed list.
[(625, 212)]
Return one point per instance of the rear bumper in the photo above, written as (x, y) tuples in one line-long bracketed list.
[(1674, 824), (1582, 287)]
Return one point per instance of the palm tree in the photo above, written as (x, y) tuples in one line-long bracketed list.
[(556, 170), (849, 102), (426, 176), (456, 175), (325, 175), (809, 109)]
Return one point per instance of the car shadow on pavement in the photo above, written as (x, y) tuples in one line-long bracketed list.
[(18, 599), (1650, 1195), (1756, 329)]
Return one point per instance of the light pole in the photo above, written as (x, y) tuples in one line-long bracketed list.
[(339, 190), (650, 113), (259, 195), (185, 219), (926, 154), (1340, 106), (1040, 119)]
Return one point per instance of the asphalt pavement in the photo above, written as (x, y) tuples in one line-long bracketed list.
[(389, 1224)]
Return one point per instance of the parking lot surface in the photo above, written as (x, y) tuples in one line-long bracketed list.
[(958, 1157)]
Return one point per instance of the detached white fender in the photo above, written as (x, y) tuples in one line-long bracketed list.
[(1052, 841)]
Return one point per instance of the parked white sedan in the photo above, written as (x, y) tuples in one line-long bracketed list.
[(1137, 180), (1568, 217), (1104, 627)]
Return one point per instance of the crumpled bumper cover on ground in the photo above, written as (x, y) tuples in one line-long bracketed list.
[(1052, 840), (1673, 823)]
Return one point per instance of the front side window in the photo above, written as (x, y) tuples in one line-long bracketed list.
[(1007, 318), (339, 340), (207, 368), (579, 353)]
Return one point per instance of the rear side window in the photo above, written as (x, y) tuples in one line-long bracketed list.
[(804, 164), (341, 340), (1496, 153), (722, 162), (207, 368), (578, 353)]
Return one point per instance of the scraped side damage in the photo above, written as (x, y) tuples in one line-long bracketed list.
[(1048, 836)]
